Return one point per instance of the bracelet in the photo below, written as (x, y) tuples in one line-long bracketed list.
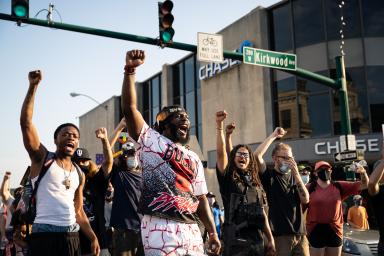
[(211, 234), (217, 128), (129, 70)]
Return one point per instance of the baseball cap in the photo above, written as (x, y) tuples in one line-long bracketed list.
[(304, 167), (163, 117), (321, 164), (129, 146), (81, 154), (210, 194), (356, 197)]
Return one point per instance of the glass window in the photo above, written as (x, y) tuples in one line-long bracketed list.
[(373, 13), (189, 74), (181, 79), (312, 87), (156, 91), (197, 65), (376, 96), (146, 102), (357, 100), (286, 100), (319, 111), (308, 22), (285, 116), (178, 84), (190, 107), (351, 17), (282, 31)]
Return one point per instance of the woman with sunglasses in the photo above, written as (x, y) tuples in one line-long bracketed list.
[(243, 197), (325, 214)]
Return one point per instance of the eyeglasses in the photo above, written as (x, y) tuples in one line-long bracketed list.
[(242, 154), (286, 158)]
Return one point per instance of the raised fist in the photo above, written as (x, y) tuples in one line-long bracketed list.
[(220, 116), (101, 133), (134, 58), (230, 128), (35, 77), (279, 132)]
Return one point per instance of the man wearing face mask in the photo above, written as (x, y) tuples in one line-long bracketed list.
[(126, 178), (93, 193), (304, 171), (286, 194), (325, 215), (357, 214)]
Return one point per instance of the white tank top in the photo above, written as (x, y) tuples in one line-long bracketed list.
[(55, 203)]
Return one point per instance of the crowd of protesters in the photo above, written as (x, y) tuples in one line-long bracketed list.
[(149, 196)]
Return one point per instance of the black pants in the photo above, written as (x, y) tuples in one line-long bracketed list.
[(52, 243), (246, 242)]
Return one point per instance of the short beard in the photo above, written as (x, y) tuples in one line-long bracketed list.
[(175, 136)]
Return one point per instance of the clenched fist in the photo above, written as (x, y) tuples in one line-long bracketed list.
[(134, 58), (230, 128), (220, 116), (35, 77), (101, 133)]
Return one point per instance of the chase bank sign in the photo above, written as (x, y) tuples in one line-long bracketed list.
[(213, 69)]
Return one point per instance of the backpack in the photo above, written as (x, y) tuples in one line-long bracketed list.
[(25, 211)]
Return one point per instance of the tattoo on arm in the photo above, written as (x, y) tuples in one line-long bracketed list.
[(301, 190)]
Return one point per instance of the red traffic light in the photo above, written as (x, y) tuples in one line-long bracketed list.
[(166, 7)]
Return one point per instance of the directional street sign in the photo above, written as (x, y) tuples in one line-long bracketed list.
[(269, 58), (346, 156)]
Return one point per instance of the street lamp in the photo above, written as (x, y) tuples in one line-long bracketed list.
[(75, 94)]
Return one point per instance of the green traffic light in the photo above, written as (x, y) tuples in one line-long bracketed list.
[(167, 35), (20, 10)]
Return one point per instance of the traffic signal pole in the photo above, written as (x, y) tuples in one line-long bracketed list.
[(339, 84), (343, 96)]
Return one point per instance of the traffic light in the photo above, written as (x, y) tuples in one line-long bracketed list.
[(20, 8), (166, 31)]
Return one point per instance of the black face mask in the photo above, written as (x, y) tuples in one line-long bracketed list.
[(324, 175), (85, 169)]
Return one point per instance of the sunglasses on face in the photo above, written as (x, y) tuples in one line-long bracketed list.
[(242, 154)]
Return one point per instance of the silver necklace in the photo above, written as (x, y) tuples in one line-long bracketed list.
[(67, 178)]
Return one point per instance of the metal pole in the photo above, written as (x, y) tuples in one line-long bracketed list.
[(343, 96), (153, 41)]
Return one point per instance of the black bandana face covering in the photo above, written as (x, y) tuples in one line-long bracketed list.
[(324, 175)]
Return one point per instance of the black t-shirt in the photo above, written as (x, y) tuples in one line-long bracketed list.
[(93, 205), (377, 203), (285, 211), (127, 192)]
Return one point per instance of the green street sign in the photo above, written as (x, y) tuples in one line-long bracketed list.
[(270, 59)]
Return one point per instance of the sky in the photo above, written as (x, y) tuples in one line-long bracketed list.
[(82, 63)]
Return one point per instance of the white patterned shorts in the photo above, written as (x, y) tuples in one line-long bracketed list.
[(167, 237)]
